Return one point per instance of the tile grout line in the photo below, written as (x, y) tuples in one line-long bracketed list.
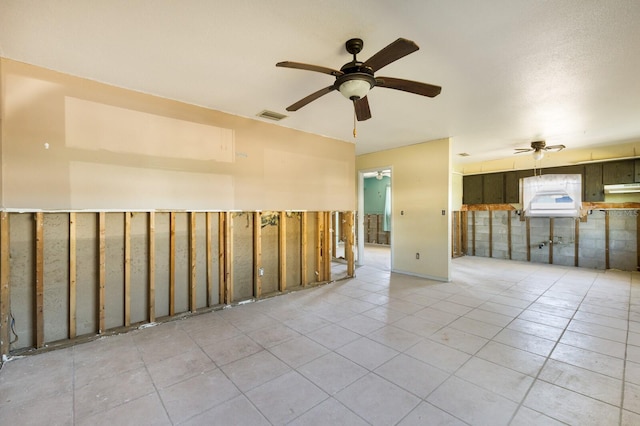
[(546, 360), (626, 347)]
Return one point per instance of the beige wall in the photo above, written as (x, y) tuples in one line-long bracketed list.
[(110, 148), (420, 188)]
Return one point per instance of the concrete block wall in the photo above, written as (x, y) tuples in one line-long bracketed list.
[(592, 243)]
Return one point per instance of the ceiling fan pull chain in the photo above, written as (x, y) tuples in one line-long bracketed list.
[(354, 121)]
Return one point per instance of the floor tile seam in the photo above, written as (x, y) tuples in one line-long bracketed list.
[(547, 357), (626, 350), (320, 403), (155, 388), (73, 386), (310, 379), (594, 350), (104, 411), (483, 387), (582, 393)]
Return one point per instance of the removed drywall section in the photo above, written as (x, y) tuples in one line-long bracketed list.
[(162, 246), (87, 271), (139, 285), (592, 241), (623, 234), (22, 248), (56, 273), (242, 256), (293, 240), (606, 238), (270, 252), (114, 290)]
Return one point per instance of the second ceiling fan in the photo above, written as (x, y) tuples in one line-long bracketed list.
[(355, 78)]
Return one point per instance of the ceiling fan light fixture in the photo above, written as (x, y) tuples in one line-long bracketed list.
[(355, 89), (538, 154)]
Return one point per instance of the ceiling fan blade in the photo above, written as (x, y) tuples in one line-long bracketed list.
[(554, 147), (362, 109), (522, 150), (416, 87), (312, 97), (308, 67), (396, 50)]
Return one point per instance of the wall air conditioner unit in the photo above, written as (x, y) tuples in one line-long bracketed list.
[(552, 195), (622, 188)]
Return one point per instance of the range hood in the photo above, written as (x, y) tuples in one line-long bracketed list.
[(622, 188)]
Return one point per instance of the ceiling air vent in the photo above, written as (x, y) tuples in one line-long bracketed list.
[(276, 116)]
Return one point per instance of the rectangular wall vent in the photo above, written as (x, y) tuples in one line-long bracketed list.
[(276, 116)]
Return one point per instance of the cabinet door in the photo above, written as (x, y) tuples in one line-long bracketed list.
[(493, 188), (511, 187), (593, 186), (472, 189), (618, 172)]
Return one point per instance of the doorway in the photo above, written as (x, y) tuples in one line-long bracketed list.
[(374, 230)]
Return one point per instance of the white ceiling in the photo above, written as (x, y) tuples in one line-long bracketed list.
[(512, 71)]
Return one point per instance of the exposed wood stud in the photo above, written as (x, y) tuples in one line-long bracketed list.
[(459, 233), (282, 252), (303, 249), (551, 237), (490, 233), (257, 254), (102, 270), (326, 252), (192, 262), (5, 288), (638, 239), (127, 269), (607, 263), (465, 232), (349, 244), (39, 280), (334, 230), (72, 275), (527, 221), (319, 270), (222, 248), (209, 260), (172, 263), (577, 243), (473, 232), (228, 258), (152, 267), (509, 245)]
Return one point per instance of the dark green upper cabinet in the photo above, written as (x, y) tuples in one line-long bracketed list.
[(618, 172), (493, 188), (472, 189), (592, 183)]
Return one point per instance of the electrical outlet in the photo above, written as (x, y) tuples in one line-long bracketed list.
[(443, 212), (418, 256), (261, 272)]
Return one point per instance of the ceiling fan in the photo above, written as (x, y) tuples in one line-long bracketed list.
[(355, 78), (538, 148)]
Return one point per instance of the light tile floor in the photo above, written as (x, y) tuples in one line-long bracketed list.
[(503, 343)]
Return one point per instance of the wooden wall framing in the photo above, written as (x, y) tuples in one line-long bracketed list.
[(146, 239)]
